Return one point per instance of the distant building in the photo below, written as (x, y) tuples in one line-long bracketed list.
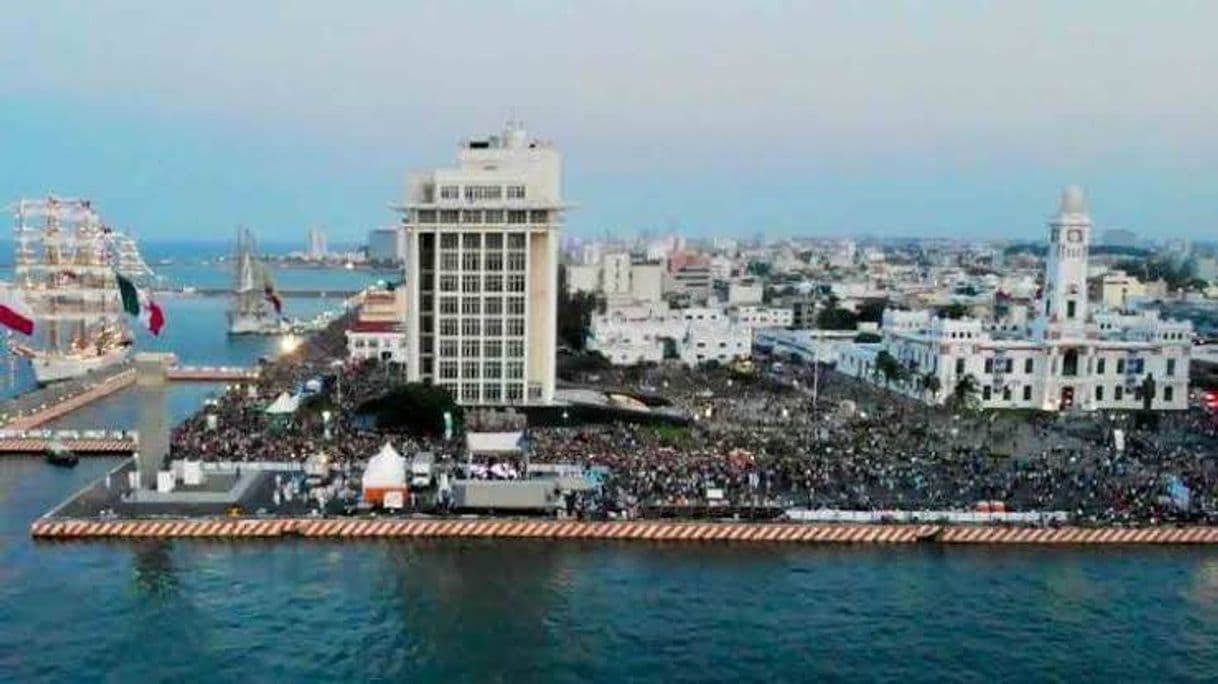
[(1120, 237), (378, 331), (641, 334), (1067, 357), (387, 246), (746, 290), (482, 271), (316, 245)]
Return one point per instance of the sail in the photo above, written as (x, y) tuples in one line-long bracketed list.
[(65, 260)]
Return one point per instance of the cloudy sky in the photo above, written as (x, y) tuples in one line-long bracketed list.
[(183, 119)]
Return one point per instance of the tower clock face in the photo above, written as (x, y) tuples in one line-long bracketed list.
[(1074, 235)]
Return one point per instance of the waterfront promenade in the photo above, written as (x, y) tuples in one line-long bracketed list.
[(44, 404)]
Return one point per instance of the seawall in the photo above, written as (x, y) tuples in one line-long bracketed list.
[(403, 528)]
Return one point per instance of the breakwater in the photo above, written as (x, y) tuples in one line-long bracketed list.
[(404, 528)]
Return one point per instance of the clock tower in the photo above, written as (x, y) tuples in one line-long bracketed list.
[(1064, 299)]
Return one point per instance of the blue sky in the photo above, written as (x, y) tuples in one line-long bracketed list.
[(183, 119)]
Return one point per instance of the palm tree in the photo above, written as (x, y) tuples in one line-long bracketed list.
[(931, 384)]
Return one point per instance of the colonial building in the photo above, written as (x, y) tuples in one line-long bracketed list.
[(1065, 356)]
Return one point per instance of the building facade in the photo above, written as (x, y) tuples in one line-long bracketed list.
[(1067, 356), (482, 271)]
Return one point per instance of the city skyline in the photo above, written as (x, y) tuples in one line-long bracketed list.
[(716, 121)]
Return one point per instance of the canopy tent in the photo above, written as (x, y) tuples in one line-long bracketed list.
[(285, 404), (494, 442), (386, 472)]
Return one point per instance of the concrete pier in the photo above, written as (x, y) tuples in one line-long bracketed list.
[(653, 531)]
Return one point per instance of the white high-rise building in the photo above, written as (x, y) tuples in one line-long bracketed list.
[(482, 271), (317, 244)]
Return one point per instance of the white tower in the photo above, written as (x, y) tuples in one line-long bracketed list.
[(1064, 302)]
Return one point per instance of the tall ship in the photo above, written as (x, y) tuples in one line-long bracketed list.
[(253, 309), (65, 261)]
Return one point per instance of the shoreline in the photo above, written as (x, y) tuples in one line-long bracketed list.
[(559, 530)]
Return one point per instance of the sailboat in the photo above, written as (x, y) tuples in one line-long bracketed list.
[(65, 262), (250, 311)]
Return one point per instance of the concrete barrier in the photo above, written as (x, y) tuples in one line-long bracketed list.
[(65, 406), (408, 528)]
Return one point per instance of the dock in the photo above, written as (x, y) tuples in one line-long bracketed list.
[(48, 528), (87, 442), (46, 404)]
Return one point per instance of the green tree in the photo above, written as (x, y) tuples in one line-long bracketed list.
[(888, 367), (964, 395), (931, 384), (414, 408), (575, 311)]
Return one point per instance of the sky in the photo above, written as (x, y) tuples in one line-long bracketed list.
[(184, 119)]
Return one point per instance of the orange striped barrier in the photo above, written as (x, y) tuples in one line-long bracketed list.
[(409, 528), (28, 445)]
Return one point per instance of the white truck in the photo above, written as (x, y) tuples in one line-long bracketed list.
[(422, 468)]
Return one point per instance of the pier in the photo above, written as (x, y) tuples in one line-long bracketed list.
[(87, 442), (648, 531), (45, 404)]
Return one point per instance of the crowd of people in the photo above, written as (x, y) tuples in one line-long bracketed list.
[(781, 436)]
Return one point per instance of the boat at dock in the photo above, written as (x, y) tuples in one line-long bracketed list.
[(65, 261), (60, 455), (254, 306)]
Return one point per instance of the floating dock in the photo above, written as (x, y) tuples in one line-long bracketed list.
[(776, 533)]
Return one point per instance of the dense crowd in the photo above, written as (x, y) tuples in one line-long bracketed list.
[(778, 437), (763, 440)]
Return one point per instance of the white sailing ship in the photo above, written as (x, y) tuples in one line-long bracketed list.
[(249, 311), (64, 264)]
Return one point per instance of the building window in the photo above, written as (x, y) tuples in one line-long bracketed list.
[(515, 327), (448, 283), (515, 283), (494, 240), (517, 216), (469, 370), (1118, 393), (494, 327), (515, 192), (482, 192), (427, 216), (1099, 392), (494, 283), (469, 348), (1171, 366), (985, 393), (449, 216), (1027, 393), (492, 349), (539, 216), (959, 366), (1120, 366), (515, 306), (1006, 393), (494, 261), (515, 392), (470, 261), (494, 216), (448, 241), (515, 349), (491, 393), (515, 241), (1168, 393), (469, 283), (449, 192), (1027, 366), (448, 326), (471, 216), (516, 261), (989, 365), (448, 305), (493, 306), (1099, 367), (471, 306), (515, 370), (448, 370), (1070, 308), (492, 370), (448, 261), (471, 327)]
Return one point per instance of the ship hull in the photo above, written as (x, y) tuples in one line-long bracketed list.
[(48, 369), (254, 325)]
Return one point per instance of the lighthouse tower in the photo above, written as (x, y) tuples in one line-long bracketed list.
[(1063, 311)]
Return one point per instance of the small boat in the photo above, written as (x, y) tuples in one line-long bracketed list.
[(60, 455)]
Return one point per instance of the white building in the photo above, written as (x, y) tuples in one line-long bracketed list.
[(1068, 356), (317, 244), (639, 334), (747, 290), (765, 316), (377, 331), (482, 270)]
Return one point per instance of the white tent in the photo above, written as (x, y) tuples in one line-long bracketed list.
[(385, 472), (493, 442), (286, 403)]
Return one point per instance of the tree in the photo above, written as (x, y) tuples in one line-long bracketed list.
[(833, 318), (867, 338), (931, 384), (887, 366), (575, 311), (414, 408), (954, 311), (964, 395), (872, 310)]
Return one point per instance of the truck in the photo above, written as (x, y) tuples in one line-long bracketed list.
[(422, 468)]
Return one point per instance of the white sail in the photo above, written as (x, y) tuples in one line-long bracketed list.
[(64, 265), (249, 312)]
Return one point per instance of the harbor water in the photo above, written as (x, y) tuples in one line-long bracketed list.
[(512, 611)]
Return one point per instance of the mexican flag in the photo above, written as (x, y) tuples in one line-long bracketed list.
[(15, 314), (153, 316), (131, 298)]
